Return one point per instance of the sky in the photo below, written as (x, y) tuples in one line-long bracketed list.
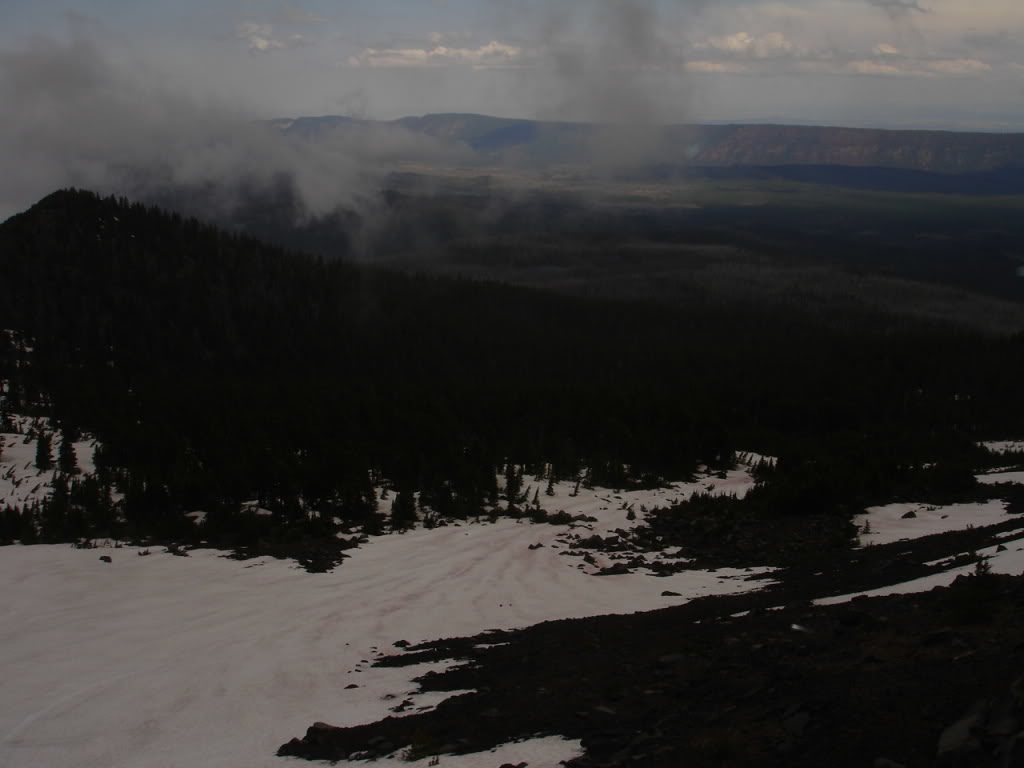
[(136, 98), (889, 63)]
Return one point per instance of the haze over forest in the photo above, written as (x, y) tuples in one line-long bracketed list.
[(114, 95), (465, 383)]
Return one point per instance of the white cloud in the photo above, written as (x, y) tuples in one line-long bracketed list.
[(261, 37), (884, 49), (488, 56), (725, 67), (958, 66), (873, 67), (918, 68), (766, 46)]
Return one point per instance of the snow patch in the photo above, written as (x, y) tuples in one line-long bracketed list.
[(1010, 561), (1000, 447), (893, 522), (995, 478), (162, 660)]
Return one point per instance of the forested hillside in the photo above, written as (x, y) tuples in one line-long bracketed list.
[(215, 370)]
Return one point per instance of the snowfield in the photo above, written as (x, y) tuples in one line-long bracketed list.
[(995, 478), (20, 482), (884, 525), (1003, 446), (206, 661), (1009, 561), (162, 661)]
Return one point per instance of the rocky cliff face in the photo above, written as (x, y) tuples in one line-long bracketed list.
[(534, 143), (935, 151)]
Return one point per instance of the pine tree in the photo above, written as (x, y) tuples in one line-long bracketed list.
[(67, 462), (28, 532), (513, 483), (550, 490), (403, 511), (55, 511), (44, 451)]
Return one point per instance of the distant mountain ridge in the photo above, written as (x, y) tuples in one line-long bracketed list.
[(541, 143)]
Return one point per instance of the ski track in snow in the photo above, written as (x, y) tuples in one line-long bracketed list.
[(168, 661)]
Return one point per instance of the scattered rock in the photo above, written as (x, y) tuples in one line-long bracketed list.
[(670, 593), (106, 558), (796, 724), (939, 636), (959, 743), (909, 515)]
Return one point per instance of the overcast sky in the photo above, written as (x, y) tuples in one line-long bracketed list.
[(930, 63)]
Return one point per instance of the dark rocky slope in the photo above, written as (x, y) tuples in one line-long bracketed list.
[(917, 680)]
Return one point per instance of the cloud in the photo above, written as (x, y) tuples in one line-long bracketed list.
[(884, 49), (489, 56), (291, 15), (261, 37), (958, 66), (766, 46), (873, 67), (918, 67), (899, 7), (92, 116), (723, 67)]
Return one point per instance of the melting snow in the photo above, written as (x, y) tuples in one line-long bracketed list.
[(1010, 561), (20, 481), (1003, 446), (161, 660), (889, 523), (994, 478)]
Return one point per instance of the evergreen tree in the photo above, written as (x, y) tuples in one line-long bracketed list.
[(44, 450), (67, 462), (403, 511), (28, 532), (513, 483), (54, 517)]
